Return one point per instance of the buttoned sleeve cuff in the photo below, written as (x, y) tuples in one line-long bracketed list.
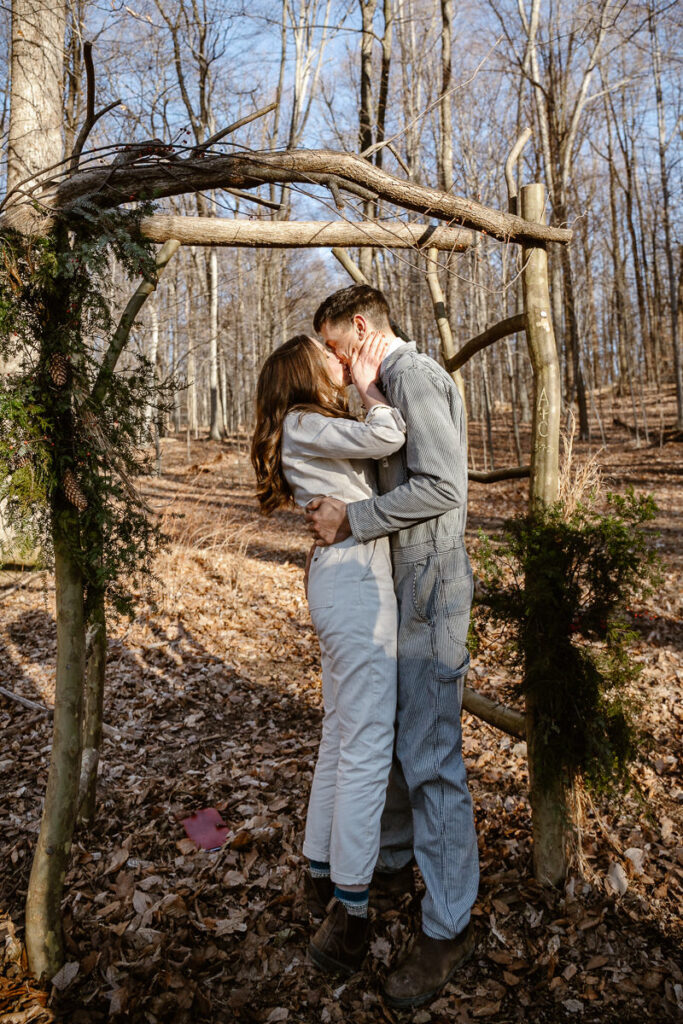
[(386, 414)]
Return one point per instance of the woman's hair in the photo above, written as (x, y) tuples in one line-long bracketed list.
[(293, 378)]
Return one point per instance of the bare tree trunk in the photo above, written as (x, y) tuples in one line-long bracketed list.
[(96, 663), (152, 352), (36, 108), (385, 69), (44, 939), (366, 111), (513, 399), (486, 389), (73, 77), (550, 801), (442, 322), (574, 342), (191, 409), (641, 255), (445, 122), (214, 387), (666, 201)]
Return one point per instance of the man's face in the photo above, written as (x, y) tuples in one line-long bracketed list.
[(343, 338)]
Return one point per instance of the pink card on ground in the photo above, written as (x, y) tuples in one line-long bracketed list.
[(206, 828)]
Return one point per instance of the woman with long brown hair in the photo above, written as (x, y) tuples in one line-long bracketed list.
[(306, 445)]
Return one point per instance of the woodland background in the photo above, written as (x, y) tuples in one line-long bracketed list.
[(213, 689), (452, 86)]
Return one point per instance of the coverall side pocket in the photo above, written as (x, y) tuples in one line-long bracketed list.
[(321, 579), (453, 625), (424, 583)]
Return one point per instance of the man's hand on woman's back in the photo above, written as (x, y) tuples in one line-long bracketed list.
[(327, 520)]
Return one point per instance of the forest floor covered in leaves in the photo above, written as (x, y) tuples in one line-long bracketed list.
[(213, 700)]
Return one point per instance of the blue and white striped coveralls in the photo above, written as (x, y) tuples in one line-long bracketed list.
[(422, 507)]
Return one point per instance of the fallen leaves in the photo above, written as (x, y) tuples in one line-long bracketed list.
[(616, 878), (217, 699), (65, 976)]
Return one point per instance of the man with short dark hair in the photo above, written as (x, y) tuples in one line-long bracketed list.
[(422, 507)]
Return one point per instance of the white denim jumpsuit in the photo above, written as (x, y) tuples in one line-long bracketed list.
[(353, 608)]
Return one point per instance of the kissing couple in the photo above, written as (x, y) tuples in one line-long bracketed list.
[(389, 588)]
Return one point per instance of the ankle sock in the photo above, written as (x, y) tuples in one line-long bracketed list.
[(356, 903), (319, 868)]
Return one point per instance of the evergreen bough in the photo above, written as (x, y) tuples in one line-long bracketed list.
[(561, 583), (59, 446)]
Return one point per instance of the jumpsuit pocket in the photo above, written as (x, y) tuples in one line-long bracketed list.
[(441, 595), (321, 578), (455, 600), (366, 556), (424, 586)]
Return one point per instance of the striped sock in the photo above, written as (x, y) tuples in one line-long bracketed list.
[(319, 868), (356, 903)]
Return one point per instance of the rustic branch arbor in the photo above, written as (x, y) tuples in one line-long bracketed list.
[(44, 203)]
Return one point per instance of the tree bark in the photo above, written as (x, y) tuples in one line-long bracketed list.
[(110, 186), (385, 69), (549, 798), (511, 325), (506, 719), (515, 473), (365, 109), (443, 325), (221, 231), (666, 215), (96, 664), (216, 411), (44, 939), (36, 98)]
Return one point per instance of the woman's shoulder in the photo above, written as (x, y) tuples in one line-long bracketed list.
[(296, 416), (303, 421)]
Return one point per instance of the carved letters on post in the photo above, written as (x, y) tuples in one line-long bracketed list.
[(542, 408)]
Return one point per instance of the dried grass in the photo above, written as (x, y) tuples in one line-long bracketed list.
[(204, 543), (580, 478)]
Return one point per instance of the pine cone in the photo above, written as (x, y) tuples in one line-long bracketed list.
[(73, 491), (59, 369)]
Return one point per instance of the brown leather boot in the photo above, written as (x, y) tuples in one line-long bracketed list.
[(426, 968), (341, 941), (318, 892), (387, 884)]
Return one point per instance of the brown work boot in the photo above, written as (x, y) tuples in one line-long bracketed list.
[(394, 883), (426, 968), (341, 941), (318, 892)]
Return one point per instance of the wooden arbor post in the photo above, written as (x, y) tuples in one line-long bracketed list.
[(549, 805)]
